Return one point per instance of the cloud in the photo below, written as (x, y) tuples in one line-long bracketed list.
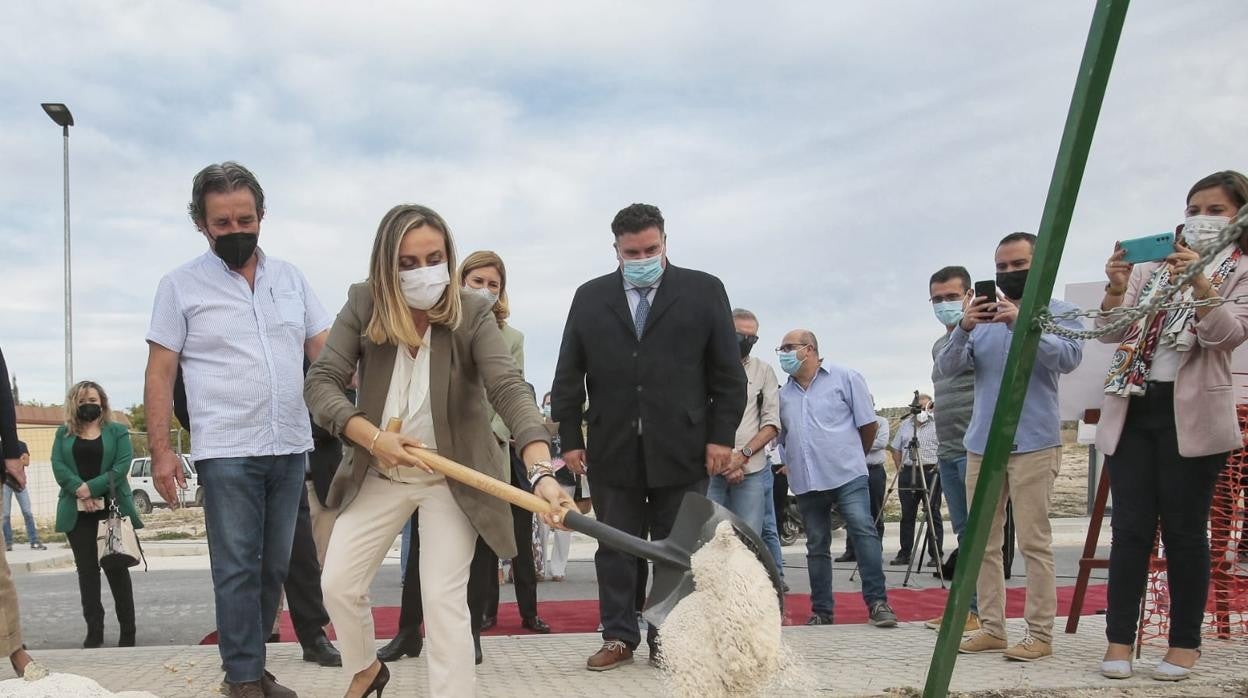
[(822, 159)]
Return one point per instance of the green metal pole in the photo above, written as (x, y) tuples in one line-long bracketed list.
[(1072, 156)]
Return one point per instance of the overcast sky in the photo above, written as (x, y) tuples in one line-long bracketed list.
[(821, 158)]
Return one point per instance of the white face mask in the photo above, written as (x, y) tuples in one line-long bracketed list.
[(923, 416), (484, 293), (424, 286), (1200, 231)]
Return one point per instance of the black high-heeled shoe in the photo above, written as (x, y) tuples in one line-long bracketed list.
[(379, 682)]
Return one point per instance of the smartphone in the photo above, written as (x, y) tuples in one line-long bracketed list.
[(986, 289), (1150, 248)]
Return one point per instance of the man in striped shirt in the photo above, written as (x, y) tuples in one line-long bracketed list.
[(239, 323)]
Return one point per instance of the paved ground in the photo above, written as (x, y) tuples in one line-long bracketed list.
[(840, 661), (176, 605)]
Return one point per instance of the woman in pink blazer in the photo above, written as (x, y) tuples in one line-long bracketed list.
[(1168, 423)]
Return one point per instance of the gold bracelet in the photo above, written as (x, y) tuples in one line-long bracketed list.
[(541, 468), (373, 443), (1111, 291)]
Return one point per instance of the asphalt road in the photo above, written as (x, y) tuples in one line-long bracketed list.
[(175, 606)]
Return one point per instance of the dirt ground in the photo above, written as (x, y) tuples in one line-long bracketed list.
[(1194, 690)]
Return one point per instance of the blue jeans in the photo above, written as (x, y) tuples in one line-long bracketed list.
[(23, 501), (250, 507), (953, 484), (770, 534), (853, 500), (747, 499)]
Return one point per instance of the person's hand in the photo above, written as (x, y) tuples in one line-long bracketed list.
[(1117, 270), (83, 492), (717, 458), (575, 460), (737, 461), (1007, 312), (167, 476), (548, 489), (734, 475), (14, 468), (91, 504), (1182, 258), (391, 449), (783, 470), (980, 310)]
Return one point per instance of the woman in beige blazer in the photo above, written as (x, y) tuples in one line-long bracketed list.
[(432, 357), (1168, 423)]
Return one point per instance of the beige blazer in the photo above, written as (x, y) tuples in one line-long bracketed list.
[(1204, 399), (468, 366)]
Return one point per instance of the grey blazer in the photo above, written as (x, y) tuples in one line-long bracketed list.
[(468, 366)]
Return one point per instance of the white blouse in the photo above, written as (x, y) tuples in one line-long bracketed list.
[(408, 397)]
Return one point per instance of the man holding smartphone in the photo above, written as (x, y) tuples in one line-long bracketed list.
[(981, 340)]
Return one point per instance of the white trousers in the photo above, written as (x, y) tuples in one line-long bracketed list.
[(363, 534), (322, 524), (562, 544)]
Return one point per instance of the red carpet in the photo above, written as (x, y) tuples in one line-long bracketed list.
[(582, 616)]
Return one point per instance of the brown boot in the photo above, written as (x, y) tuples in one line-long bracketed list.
[(244, 689), (613, 653), (273, 689)]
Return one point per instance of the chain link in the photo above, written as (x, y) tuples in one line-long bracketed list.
[(1123, 316)]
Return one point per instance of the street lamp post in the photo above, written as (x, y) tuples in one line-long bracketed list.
[(60, 114)]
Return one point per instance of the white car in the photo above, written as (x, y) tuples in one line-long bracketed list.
[(145, 494)]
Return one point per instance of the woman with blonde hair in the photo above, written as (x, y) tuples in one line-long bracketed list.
[(432, 357), (91, 457)]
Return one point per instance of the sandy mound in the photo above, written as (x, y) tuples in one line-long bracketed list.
[(63, 686), (724, 639)]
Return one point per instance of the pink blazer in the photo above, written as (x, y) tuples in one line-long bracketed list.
[(1204, 399)]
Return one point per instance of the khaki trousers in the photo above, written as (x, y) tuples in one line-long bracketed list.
[(10, 624), (1029, 485), (363, 534), (322, 524)]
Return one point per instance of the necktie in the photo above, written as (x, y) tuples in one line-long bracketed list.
[(643, 309)]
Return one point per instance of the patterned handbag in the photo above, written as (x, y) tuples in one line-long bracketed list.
[(118, 543)]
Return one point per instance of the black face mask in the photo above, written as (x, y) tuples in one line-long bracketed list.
[(89, 412), (236, 248), (1012, 283), (746, 342)]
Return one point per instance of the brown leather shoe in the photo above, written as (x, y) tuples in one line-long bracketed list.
[(244, 689), (613, 653), (273, 689)]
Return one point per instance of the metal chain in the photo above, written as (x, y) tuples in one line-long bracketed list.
[(1123, 316)]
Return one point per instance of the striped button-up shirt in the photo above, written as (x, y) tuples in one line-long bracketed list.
[(241, 353), (928, 442)]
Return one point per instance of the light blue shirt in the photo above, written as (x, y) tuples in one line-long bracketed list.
[(819, 429), (985, 349), (241, 353)]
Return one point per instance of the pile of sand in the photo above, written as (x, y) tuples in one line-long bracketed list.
[(62, 686), (724, 638)]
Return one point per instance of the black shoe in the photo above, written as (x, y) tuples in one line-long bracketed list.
[(819, 619), (273, 689), (407, 642), (901, 560), (95, 637), (488, 622), (476, 645), (379, 682), (785, 587), (274, 638), (536, 624), (323, 653), (126, 639), (931, 563), (656, 655), (847, 556)]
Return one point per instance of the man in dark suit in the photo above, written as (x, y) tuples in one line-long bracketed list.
[(655, 346)]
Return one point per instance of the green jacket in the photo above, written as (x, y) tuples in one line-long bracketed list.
[(116, 460)]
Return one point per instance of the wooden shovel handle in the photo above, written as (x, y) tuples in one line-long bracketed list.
[(476, 480)]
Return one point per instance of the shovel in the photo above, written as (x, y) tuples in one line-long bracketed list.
[(673, 579)]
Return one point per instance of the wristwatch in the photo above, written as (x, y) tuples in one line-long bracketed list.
[(747, 451), (539, 470)]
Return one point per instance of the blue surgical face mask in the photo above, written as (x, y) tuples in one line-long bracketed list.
[(789, 363), (948, 312), (642, 272)]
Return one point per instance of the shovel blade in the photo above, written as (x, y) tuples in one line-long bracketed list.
[(695, 525)]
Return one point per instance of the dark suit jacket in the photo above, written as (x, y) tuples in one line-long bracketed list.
[(468, 366), (683, 379)]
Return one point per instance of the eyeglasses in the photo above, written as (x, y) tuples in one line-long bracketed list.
[(783, 348)]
